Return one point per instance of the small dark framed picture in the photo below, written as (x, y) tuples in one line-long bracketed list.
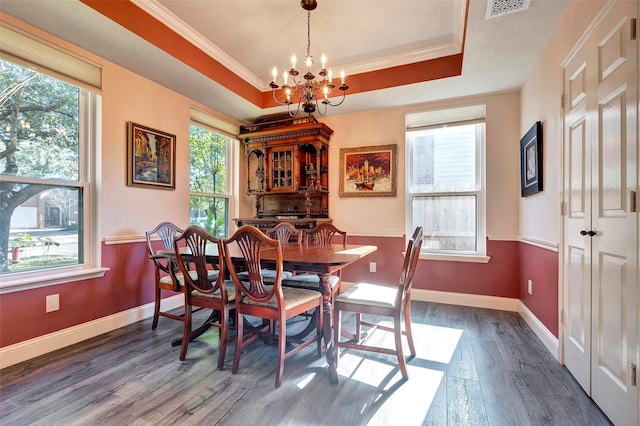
[(531, 161)]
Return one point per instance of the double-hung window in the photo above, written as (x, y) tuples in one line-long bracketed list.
[(211, 176), (48, 141), (445, 181)]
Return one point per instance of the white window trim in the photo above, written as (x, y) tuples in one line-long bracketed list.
[(480, 255), (90, 171)]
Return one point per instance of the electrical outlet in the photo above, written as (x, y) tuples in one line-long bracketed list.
[(53, 303), (530, 287), (372, 266)]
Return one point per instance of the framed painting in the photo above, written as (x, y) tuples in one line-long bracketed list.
[(151, 157), (368, 171), (531, 161)]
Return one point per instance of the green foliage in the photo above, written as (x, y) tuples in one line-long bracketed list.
[(207, 179), (23, 240), (39, 115), (39, 138)]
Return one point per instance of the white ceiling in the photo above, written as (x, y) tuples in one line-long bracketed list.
[(251, 37)]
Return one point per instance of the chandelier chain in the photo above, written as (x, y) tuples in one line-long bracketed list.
[(308, 33)]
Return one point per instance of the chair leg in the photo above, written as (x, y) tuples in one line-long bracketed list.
[(156, 310), (319, 320), (407, 326), (239, 333), (224, 332), (358, 318), (186, 334), (397, 331), (337, 329), (282, 341)]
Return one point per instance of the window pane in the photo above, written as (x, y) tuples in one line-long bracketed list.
[(208, 161), (444, 159), (449, 222), (41, 223), (44, 230), (38, 124), (210, 213)]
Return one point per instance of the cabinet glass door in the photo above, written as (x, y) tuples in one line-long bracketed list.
[(282, 173)]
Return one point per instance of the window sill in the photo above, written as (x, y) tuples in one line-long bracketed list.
[(28, 281), (455, 257)]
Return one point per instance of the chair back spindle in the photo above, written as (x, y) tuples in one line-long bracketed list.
[(251, 242), (284, 231), (323, 233)]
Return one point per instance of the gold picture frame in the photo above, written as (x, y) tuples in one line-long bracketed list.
[(151, 157), (369, 171)]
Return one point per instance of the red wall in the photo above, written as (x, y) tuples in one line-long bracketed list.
[(541, 267), (129, 283)]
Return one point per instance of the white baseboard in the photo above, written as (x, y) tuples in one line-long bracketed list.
[(548, 339), (32, 348), (489, 302), (464, 299), (41, 345)]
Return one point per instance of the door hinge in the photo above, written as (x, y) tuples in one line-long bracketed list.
[(562, 101), (633, 28), (634, 374), (632, 202), (562, 316), (563, 208)]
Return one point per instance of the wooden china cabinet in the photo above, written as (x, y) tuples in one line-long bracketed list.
[(287, 170)]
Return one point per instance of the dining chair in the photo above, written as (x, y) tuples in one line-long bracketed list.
[(163, 280), (205, 284), (322, 234), (382, 300), (282, 232), (271, 302)]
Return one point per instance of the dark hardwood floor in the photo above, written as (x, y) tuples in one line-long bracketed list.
[(473, 367)]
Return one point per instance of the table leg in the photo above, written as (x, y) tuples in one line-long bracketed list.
[(327, 331)]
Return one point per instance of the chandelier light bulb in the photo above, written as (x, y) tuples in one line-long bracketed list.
[(309, 61), (330, 76), (275, 73), (323, 60), (285, 76), (293, 61), (342, 76)]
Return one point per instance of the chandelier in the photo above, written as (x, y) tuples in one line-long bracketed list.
[(309, 93)]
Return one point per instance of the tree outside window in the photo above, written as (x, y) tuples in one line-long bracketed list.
[(209, 201), (41, 187)]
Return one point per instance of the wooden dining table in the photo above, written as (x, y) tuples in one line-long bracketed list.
[(312, 258)]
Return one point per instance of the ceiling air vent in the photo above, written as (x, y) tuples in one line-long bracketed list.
[(497, 8)]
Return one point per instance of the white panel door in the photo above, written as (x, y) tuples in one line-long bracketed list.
[(614, 247), (600, 244), (577, 247)]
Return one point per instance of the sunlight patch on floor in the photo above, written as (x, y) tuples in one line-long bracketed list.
[(404, 402), (435, 343), (305, 381), (413, 399)]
